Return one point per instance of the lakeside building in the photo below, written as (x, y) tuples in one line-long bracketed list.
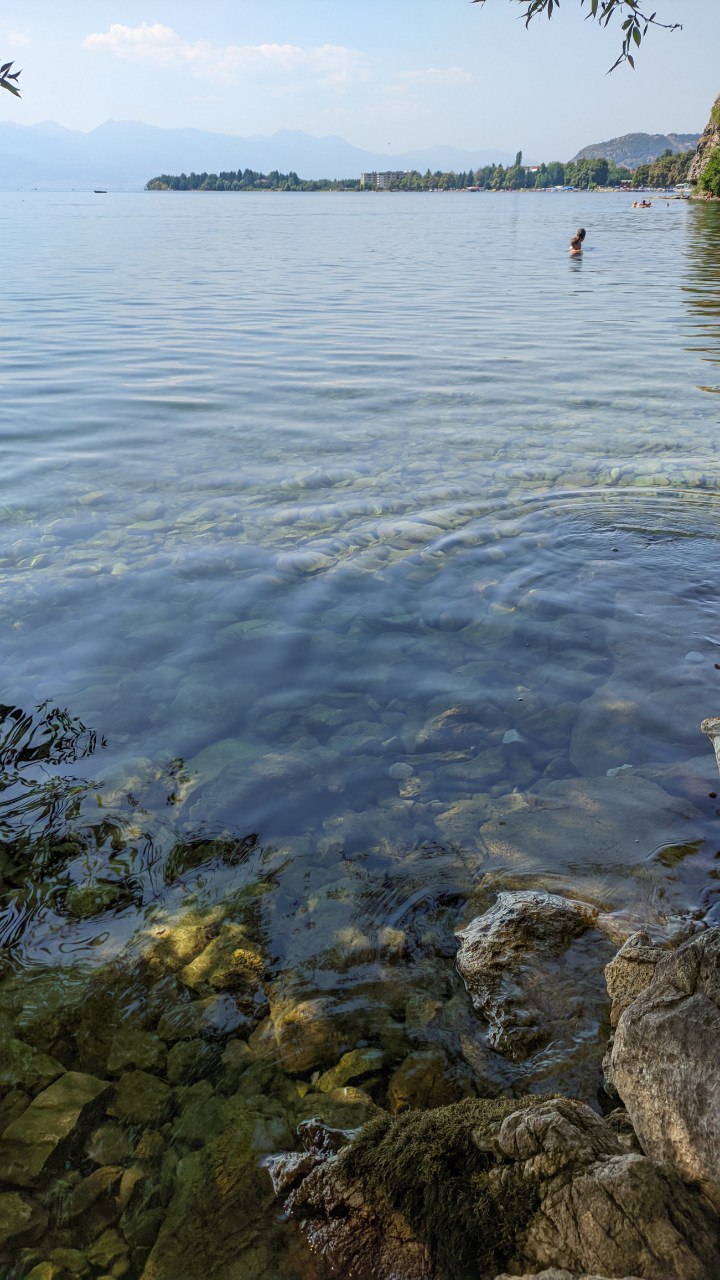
[(382, 181)]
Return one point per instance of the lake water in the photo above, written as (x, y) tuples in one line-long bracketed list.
[(373, 536)]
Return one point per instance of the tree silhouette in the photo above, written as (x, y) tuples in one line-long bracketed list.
[(8, 79), (635, 23)]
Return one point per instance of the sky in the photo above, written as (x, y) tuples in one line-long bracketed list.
[(387, 75)]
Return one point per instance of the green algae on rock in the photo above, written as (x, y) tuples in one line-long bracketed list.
[(431, 1167), (462, 1191)]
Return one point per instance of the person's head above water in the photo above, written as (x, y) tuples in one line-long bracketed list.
[(580, 234)]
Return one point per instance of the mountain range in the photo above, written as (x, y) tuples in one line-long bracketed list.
[(633, 149), (126, 154)]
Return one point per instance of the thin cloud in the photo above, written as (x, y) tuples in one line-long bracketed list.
[(435, 75), (17, 39), (161, 46)]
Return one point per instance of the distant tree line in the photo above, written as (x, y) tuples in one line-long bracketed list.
[(246, 180), (586, 174)]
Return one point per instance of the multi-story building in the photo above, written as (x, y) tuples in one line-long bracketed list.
[(381, 181)]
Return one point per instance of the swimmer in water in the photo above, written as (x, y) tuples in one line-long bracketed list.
[(576, 242)]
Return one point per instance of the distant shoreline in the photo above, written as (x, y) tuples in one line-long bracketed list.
[(665, 193)]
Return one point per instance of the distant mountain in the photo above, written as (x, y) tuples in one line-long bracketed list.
[(124, 155), (633, 149)]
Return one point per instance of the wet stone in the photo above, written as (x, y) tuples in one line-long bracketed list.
[(70, 1260), (190, 1060), (141, 1098), (109, 1144), (352, 1066), (216, 1016), (52, 1118), (12, 1106), (134, 1048), (20, 1218), (151, 1145), (89, 1189), (107, 1250), (24, 1067), (533, 967), (228, 963), (425, 1079)]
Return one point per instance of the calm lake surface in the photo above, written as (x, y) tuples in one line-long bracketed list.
[(371, 536)]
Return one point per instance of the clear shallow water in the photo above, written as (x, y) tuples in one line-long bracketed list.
[(376, 537), (299, 475)]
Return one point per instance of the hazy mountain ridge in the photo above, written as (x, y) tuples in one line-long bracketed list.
[(126, 154), (633, 149)]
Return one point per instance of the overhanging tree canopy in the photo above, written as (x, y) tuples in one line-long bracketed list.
[(8, 79), (635, 22)]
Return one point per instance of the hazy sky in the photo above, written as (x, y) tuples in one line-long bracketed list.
[(386, 74)]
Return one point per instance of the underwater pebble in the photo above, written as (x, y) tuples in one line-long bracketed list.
[(400, 771)]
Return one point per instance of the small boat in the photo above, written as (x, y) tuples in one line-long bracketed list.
[(100, 191)]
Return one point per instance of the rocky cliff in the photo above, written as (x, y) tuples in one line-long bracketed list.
[(709, 143)]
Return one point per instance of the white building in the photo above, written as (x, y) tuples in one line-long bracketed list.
[(381, 181)]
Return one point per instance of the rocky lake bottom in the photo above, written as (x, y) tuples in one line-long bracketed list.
[(358, 839)]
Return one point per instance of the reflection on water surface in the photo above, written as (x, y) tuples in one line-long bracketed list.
[(372, 553)]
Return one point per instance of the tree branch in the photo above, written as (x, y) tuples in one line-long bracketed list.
[(7, 79), (635, 23)]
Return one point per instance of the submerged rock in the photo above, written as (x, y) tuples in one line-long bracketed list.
[(53, 1118), (25, 1067), (132, 1047), (532, 973), (21, 1219), (229, 963), (352, 1066), (426, 1079), (216, 1223), (467, 1190), (141, 1098), (623, 819), (666, 1065)]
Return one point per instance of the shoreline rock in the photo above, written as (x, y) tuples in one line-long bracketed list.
[(469, 1189), (665, 1062)]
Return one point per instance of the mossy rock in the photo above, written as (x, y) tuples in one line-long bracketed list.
[(433, 1167)]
